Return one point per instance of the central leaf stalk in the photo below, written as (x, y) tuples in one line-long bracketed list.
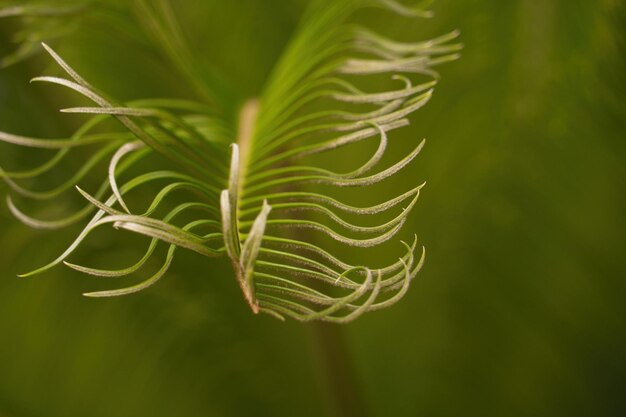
[(242, 254), (245, 132)]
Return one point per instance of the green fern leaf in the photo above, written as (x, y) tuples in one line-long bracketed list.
[(254, 189)]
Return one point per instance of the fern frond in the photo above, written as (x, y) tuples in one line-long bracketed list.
[(253, 189)]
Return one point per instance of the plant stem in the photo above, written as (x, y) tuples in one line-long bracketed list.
[(245, 132), (336, 370)]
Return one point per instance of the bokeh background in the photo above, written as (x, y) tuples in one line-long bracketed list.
[(520, 309)]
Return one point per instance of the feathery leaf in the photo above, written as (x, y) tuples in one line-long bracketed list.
[(267, 209)]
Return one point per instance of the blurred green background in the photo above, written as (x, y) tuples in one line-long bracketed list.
[(519, 311)]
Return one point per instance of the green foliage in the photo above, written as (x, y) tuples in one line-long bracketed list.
[(310, 105), (518, 310)]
